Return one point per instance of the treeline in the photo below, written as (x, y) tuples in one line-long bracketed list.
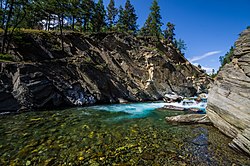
[(81, 16), (227, 58)]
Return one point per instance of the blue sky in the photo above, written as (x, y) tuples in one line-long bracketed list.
[(208, 27)]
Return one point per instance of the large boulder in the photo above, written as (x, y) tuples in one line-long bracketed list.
[(229, 97)]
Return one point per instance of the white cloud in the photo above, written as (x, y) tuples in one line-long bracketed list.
[(196, 58), (196, 64), (207, 69)]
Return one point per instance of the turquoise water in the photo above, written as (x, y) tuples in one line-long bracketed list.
[(131, 134), (136, 110)]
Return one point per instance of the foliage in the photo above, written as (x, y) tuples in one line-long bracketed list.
[(98, 20), (169, 33), (6, 57), (87, 12), (145, 30), (227, 58), (120, 16), (180, 45), (127, 18), (152, 26), (213, 74), (81, 15), (84, 16), (169, 37), (112, 13), (13, 13)]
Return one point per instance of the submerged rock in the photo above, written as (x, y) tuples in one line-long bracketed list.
[(189, 118), (229, 97)]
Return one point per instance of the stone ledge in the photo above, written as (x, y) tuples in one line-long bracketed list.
[(190, 119)]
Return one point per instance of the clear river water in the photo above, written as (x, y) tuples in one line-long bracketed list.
[(121, 134)]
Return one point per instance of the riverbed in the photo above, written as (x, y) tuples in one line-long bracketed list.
[(126, 134)]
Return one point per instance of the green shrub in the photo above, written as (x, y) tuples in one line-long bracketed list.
[(6, 57)]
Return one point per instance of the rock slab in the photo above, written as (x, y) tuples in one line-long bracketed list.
[(189, 119), (229, 97)]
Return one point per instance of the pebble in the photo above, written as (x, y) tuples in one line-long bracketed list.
[(28, 162)]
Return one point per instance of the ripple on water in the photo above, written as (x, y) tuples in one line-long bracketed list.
[(138, 110)]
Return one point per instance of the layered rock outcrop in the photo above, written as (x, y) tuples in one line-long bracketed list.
[(229, 97), (96, 68)]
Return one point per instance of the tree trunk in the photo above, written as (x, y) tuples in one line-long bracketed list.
[(84, 25), (73, 23), (61, 30), (46, 24), (5, 36), (3, 14), (15, 26), (80, 25), (49, 20)]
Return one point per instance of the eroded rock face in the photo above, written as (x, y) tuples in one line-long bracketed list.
[(98, 68), (229, 97)]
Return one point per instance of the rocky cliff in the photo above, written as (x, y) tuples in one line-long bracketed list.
[(96, 68), (229, 97)]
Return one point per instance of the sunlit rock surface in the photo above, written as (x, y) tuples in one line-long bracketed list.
[(189, 119), (229, 97), (96, 68)]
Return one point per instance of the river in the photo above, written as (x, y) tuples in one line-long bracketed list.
[(124, 134)]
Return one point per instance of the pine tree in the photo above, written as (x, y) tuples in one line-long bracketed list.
[(62, 10), (98, 20), (14, 13), (112, 13), (145, 30), (169, 33), (74, 12), (128, 18), (180, 45), (227, 58), (153, 23), (33, 16), (87, 11), (49, 11), (119, 25)]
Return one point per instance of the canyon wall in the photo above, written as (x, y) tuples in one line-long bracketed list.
[(92, 69)]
